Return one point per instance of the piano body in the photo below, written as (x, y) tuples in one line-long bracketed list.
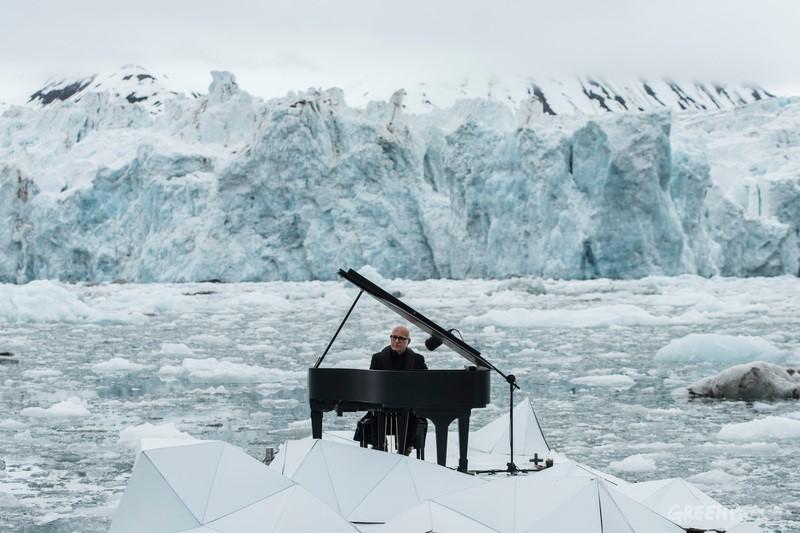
[(438, 395)]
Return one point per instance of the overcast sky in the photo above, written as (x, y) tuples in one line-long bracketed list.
[(275, 46)]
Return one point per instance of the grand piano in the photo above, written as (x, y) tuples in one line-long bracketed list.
[(438, 395)]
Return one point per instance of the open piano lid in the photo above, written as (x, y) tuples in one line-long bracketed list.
[(418, 319)]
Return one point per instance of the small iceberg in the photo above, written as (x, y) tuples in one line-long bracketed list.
[(750, 381), (718, 348)]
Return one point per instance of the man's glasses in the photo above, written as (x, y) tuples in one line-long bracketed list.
[(398, 338)]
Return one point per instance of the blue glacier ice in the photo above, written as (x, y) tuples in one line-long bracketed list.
[(229, 186)]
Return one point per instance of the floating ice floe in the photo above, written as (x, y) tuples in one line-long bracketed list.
[(604, 316), (765, 429), (117, 364), (616, 381), (11, 424), (634, 463), (365, 485), (175, 348), (50, 301), (71, 407), (212, 370), (718, 348), (750, 381), (714, 478), (213, 487), (8, 500), (134, 437)]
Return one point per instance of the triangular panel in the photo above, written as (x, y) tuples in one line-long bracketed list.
[(641, 519), (491, 503), (150, 504), (355, 471), (418, 519), (449, 521), (241, 481), (394, 494), (614, 521), (305, 514), (313, 476), (432, 480), (528, 437), (261, 516), (563, 505), (190, 470), (295, 452)]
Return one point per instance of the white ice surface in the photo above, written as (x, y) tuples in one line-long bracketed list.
[(634, 463), (619, 381), (212, 370), (718, 348), (131, 437), (603, 316), (117, 364), (750, 381), (71, 407), (765, 429)]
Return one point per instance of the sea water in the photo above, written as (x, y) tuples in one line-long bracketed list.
[(95, 368)]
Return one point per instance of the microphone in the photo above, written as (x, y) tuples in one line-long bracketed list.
[(431, 343)]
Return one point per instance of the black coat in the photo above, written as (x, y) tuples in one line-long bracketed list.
[(386, 359)]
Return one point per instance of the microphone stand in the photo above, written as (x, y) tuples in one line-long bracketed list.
[(511, 468)]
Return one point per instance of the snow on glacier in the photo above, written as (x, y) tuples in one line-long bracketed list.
[(230, 187)]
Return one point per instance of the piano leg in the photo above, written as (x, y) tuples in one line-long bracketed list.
[(441, 441), (379, 440), (463, 436), (316, 424), (442, 419), (402, 432)]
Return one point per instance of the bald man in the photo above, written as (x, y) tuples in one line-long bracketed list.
[(398, 356)]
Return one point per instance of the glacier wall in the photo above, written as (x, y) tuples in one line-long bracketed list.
[(230, 187)]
